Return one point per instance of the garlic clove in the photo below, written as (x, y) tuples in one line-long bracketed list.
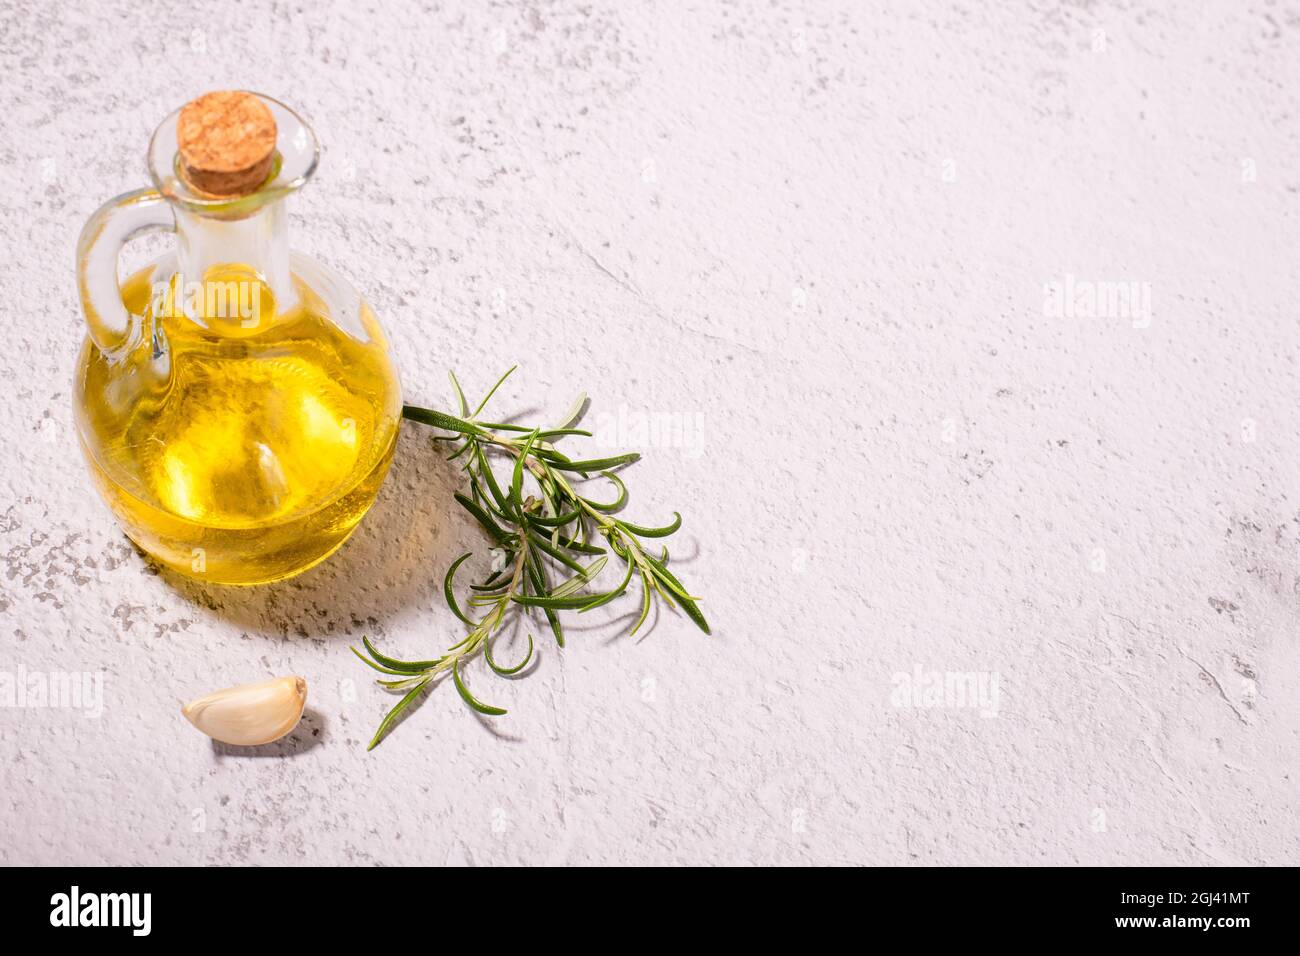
[(250, 714)]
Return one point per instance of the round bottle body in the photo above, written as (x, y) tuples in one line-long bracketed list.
[(239, 440)]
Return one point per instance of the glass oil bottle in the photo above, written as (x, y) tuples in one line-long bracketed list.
[(235, 401)]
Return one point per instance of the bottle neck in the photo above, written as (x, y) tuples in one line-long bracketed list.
[(258, 243)]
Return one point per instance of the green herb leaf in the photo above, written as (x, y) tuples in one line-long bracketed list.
[(597, 464), (556, 522), (447, 591), (427, 416), (663, 532), (571, 602), (550, 433), (460, 395), (609, 595), (499, 536), (493, 390), (507, 671), (687, 601), (469, 698), (554, 551), (517, 479), (369, 663), (404, 667), (645, 603), (574, 414), (618, 502), (393, 714), (490, 479), (582, 577)]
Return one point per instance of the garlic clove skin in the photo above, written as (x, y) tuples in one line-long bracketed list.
[(250, 714)]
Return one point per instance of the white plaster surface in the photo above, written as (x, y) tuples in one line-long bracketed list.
[(815, 237)]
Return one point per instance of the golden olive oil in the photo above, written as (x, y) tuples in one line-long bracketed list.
[(233, 451)]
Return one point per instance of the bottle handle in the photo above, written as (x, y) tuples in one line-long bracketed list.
[(111, 227)]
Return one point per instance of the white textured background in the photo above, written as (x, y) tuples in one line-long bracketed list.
[(815, 237)]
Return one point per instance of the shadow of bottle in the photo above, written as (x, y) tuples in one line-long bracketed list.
[(393, 558)]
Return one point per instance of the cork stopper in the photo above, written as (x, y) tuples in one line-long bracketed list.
[(226, 142)]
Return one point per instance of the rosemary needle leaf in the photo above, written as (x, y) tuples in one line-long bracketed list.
[(552, 509), (551, 454), (427, 416), (488, 585), (460, 395), (463, 642), (402, 667), (581, 578), (554, 552), (687, 601), (572, 545), (645, 603), (569, 602), (554, 620), (490, 480), (661, 591), (601, 599), (499, 536), (557, 522), (392, 715), (538, 579), (507, 671), (402, 684), (481, 707), (667, 577), (619, 502), (447, 591), (379, 667), (517, 480), (574, 414), (597, 464), (561, 432), (493, 391), (663, 532), (694, 614)]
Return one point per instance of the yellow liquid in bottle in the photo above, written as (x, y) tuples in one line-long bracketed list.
[(239, 453)]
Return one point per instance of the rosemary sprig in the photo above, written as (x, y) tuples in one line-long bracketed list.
[(534, 538)]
